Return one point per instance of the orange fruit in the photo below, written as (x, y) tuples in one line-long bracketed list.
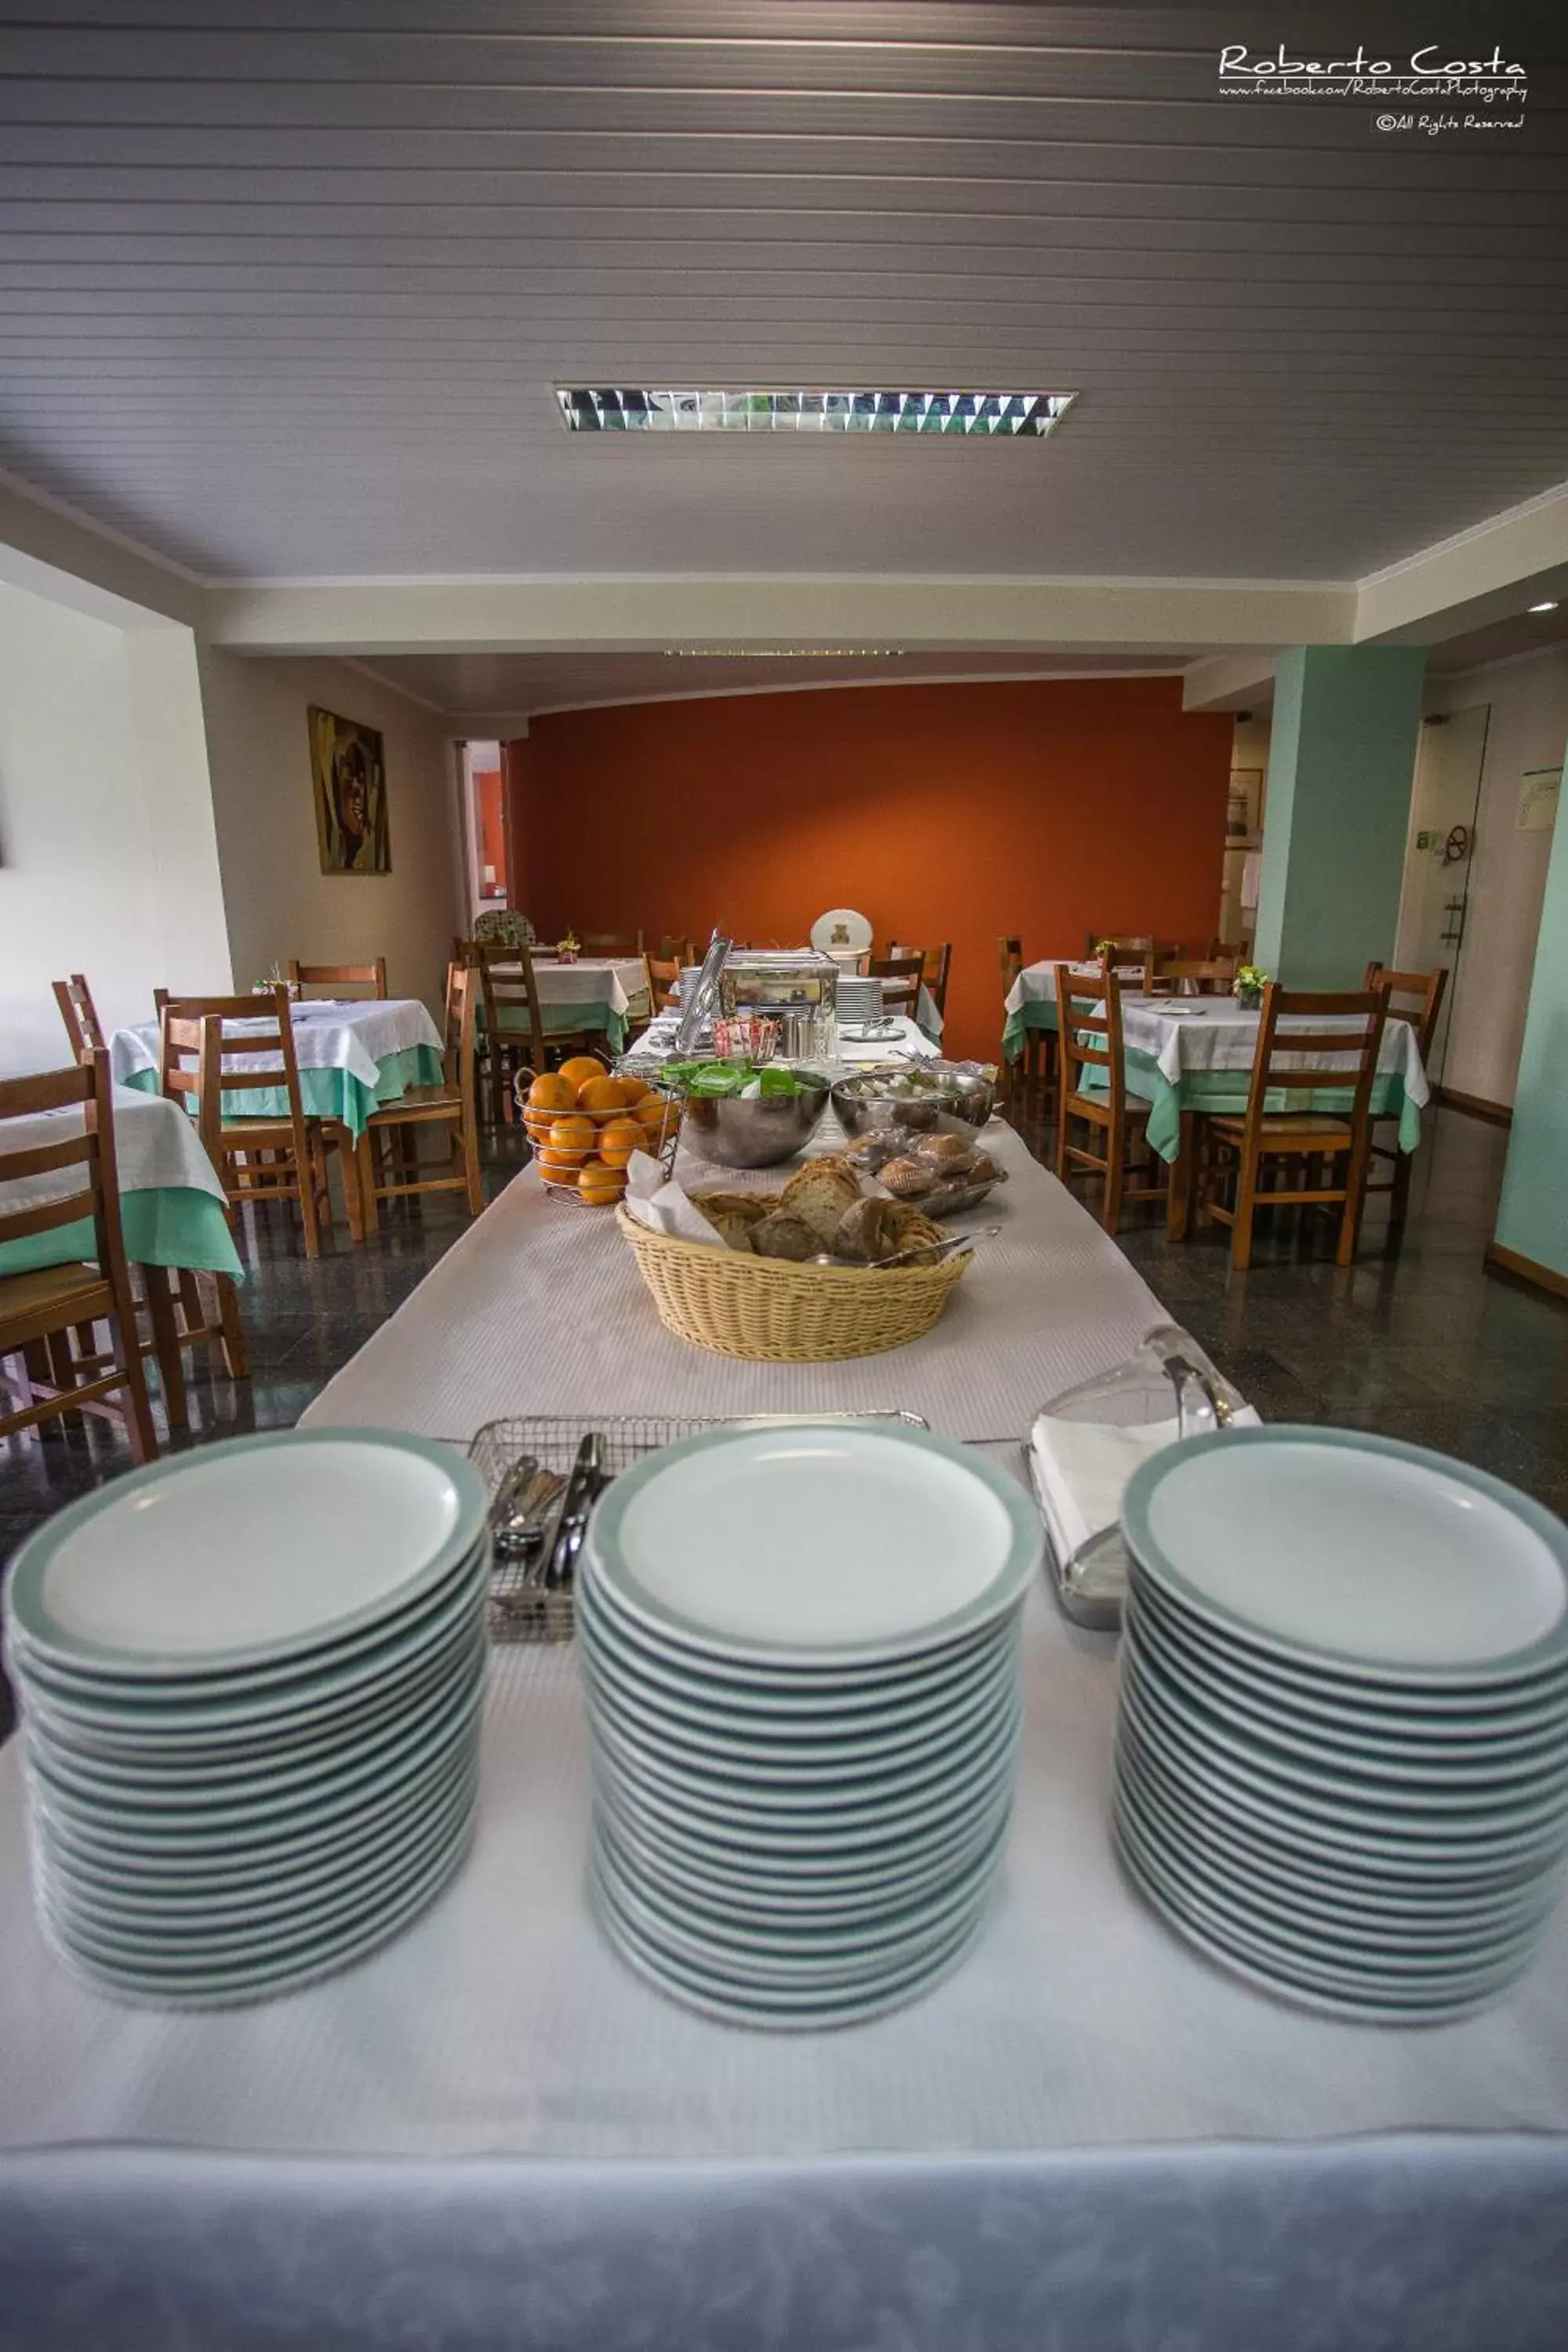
[(558, 1168), (600, 1184), (650, 1114), (602, 1097), (579, 1069), (551, 1091), (574, 1135), (618, 1138)]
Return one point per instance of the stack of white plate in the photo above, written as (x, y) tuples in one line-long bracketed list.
[(1343, 1751), (250, 1680), (801, 1651)]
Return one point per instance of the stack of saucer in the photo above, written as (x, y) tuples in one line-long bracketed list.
[(801, 1651), (1343, 1752), (250, 1680)]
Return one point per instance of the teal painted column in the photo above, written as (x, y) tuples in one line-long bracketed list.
[(1532, 1219), (1341, 760)]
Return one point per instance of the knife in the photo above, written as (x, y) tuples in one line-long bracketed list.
[(582, 1492)]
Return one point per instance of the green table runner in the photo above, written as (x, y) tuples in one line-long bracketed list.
[(1226, 1092), (175, 1226), (567, 1021)]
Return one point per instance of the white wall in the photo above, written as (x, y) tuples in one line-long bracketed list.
[(108, 859), (280, 903), (1529, 729)]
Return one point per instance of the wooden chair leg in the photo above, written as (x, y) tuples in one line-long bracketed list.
[(166, 1346), (1246, 1202), (237, 1362), (348, 1160), (370, 1211), (1115, 1178), (469, 1144), (138, 1426), (1179, 1203), (306, 1175)]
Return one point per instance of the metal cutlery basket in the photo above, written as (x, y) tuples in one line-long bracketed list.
[(519, 1607)]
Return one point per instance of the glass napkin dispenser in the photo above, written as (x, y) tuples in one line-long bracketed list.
[(1086, 1443)]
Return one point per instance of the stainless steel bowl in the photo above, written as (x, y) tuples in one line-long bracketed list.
[(863, 1104), (760, 1133)]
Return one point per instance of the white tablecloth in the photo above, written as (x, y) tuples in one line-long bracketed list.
[(354, 1036), (155, 1149), (1182, 1035), (594, 980)]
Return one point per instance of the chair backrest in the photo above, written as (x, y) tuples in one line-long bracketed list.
[(1422, 998), (1209, 976), (662, 980), (465, 990), (1010, 956), (79, 1015), (614, 943), (87, 1144), (201, 1057), (1089, 1023), (1137, 942), (507, 986), (937, 962), (679, 952), (1314, 1056), (901, 976), (371, 976)]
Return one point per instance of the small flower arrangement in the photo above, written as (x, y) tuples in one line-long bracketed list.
[(568, 948), (276, 978), (1248, 985)]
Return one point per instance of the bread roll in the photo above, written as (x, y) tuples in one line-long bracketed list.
[(942, 1149), (783, 1235), (819, 1195), (907, 1178), (733, 1226), (870, 1230)]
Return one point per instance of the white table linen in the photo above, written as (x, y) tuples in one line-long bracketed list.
[(155, 1149), (594, 980), (356, 1036), (1184, 1033)]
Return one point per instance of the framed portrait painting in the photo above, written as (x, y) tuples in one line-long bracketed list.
[(348, 769)]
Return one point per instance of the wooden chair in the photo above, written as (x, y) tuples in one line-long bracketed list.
[(1088, 1037), (273, 1155), (39, 1311), (1420, 1003), (936, 965), (611, 943), (1026, 1080), (662, 980), (1207, 976), (900, 979), (513, 1033), (1322, 1156), (79, 1015), (371, 977), (679, 952), (452, 1105)]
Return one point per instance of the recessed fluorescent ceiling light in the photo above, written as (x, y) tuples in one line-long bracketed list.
[(1550, 606), (975, 415), (783, 653)]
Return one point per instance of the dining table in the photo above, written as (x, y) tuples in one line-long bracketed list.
[(172, 1206), (492, 2132), (601, 994), (354, 1055)]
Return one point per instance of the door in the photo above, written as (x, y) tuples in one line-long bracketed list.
[(1443, 810)]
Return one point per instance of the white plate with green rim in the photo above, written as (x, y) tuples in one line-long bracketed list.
[(1392, 1995), (1366, 1559), (287, 1885), (366, 1795), (1447, 1735), (1396, 1906), (892, 1797), (180, 1943), (303, 1700), (826, 1833), (842, 1710), (253, 1553), (1327, 1921), (323, 1956), (830, 1547), (225, 1867), (739, 2004), (125, 1793), (798, 1763), (1205, 1783), (1382, 1783), (1342, 1798), (764, 1898), (784, 1687), (800, 1955)]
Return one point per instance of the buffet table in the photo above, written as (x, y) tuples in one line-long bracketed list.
[(493, 2132)]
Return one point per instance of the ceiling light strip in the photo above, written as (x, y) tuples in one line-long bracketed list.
[(962, 416)]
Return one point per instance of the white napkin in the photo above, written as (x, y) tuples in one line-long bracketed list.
[(1081, 1469), (663, 1205)]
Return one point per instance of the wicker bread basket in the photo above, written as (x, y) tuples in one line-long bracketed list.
[(771, 1311)]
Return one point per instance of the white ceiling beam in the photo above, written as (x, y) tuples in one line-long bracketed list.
[(1463, 584)]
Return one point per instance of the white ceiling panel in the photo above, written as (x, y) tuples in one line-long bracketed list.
[(283, 289)]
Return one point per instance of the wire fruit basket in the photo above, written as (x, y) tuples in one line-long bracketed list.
[(519, 1610), (607, 1148)]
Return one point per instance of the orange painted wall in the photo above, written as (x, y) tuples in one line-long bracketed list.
[(488, 790), (953, 812)]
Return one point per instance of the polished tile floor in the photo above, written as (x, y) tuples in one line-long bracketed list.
[(1427, 1346)]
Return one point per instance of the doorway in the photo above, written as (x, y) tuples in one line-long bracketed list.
[(484, 812), (1434, 902)]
